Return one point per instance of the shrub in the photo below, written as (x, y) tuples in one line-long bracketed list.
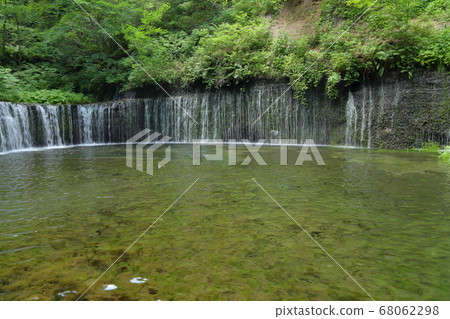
[(52, 97), (430, 147), (231, 54), (445, 154)]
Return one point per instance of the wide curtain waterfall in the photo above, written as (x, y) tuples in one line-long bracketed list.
[(219, 115), (391, 113)]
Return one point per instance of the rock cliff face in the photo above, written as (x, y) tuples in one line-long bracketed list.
[(390, 112), (396, 112)]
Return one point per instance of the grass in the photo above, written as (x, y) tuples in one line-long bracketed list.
[(434, 147), (445, 154), (431, 147)]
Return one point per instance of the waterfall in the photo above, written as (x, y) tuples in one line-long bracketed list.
[(363, 115), (223, 114), (369, 116), (85, 125), (352, 121), (14, 127), (366, 111), (50, 125), (369, 129)]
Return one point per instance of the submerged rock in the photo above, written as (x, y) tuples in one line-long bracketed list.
[(65, 293), (138, 280), (109, 287)]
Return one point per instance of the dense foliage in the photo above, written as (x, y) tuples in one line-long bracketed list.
[(53, 52)]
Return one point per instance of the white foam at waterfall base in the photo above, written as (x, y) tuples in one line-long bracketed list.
[(60, 147)]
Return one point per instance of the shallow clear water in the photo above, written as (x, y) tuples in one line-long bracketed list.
[(67, 214)]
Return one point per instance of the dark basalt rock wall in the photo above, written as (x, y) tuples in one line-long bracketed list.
[(397, 112)]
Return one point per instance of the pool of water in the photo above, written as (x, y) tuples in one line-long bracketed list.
[(67, 214)]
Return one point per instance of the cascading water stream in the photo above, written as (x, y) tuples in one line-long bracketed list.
[(14, 127), (365, 117), (50, 125), (352, 121), (220, 115)]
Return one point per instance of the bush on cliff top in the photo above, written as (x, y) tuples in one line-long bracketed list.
[(53, 49)]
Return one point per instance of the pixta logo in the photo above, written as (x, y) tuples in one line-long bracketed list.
[(141, 143), (151, 144), (253, 150)]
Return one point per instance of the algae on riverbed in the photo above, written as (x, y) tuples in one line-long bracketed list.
[(67, 214)]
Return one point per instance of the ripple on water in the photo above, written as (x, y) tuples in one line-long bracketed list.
[(22, 233), (23, 261), (55, 227), (16, 249)]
